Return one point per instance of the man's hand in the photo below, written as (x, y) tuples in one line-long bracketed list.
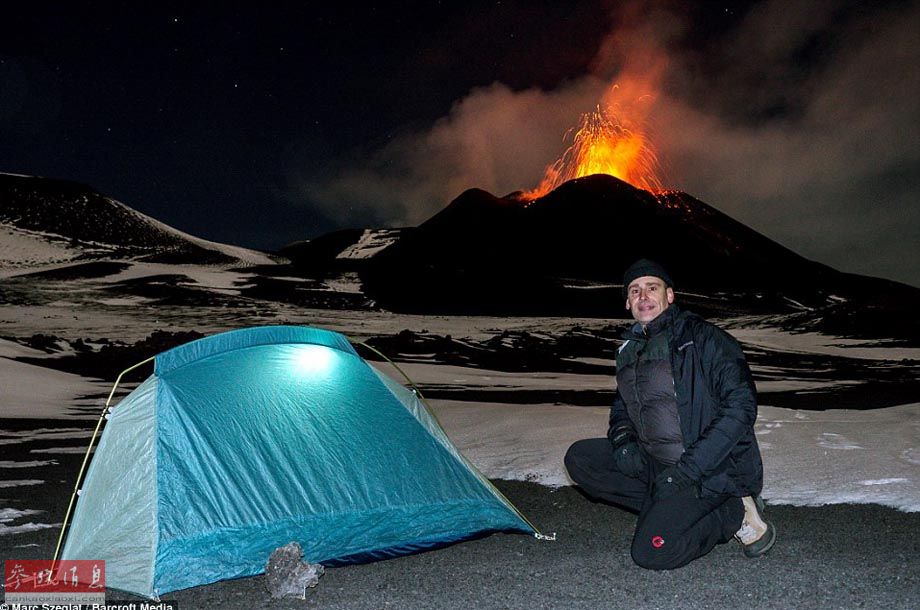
[(672, 482), (627, 455)]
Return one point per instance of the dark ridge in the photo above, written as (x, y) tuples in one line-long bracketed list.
[(319, 253), (78, 214), (174, 289), (563, 254), (307, 292), (112, 358), (80, 271)]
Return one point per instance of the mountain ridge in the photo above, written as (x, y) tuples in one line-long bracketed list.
[(564, 254), (559, 255), (77, 217)]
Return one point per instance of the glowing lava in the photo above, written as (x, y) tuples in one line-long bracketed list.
[(604, 144)]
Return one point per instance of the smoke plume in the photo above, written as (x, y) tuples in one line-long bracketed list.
[(798, 120)]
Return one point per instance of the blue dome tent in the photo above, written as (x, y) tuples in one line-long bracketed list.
[(244, 441)]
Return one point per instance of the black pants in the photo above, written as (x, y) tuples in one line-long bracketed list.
[(670, 533)]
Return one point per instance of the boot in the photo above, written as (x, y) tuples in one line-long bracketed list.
[(756, 535)]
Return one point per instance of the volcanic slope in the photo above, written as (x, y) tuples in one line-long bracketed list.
[(45, 221), (63, 242), (564, 253), (343, 249)]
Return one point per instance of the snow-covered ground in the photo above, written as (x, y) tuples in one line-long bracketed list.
[(371, 242), (815, 343), (36, 392), (811, 457), (26, 249), (511, 425)]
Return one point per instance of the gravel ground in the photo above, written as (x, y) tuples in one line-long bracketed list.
[(840, 556)]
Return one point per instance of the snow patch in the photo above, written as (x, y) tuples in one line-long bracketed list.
[(41, 434), (25, 527), (884, 481), (22, 250), (806, 461), (371, 242), (31, 464), (62, 450), (8, 515), (830, 440), (815, 343), (20, 483), (11, 514)]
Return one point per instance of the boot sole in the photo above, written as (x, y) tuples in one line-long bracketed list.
[(760, 552)]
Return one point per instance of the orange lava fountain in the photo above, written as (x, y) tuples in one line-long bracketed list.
[(603, 145)]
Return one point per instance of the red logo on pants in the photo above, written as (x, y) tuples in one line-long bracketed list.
[(657, 542)]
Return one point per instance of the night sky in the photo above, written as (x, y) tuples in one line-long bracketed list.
[(259, 124)]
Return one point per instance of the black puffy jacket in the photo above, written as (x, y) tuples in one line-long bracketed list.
[(717, 405)]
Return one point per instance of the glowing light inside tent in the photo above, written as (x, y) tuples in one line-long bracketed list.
[(312, 358)]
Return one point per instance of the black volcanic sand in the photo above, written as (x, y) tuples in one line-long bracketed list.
[(839, 556)]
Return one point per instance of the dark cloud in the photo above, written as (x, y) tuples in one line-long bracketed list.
[(825, 157), (494, 138), (798, 119)]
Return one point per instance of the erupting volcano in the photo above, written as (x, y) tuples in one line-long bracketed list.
[(605, 143)]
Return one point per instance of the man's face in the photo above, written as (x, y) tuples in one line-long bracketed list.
[(647, 298)]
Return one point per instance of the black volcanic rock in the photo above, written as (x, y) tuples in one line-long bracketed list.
[(564, 254), (108, 361), (594, 227), (320, 253), (342, 250)]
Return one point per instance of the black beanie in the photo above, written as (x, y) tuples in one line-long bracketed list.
[(643, 267)]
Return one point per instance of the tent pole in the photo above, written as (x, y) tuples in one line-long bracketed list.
[(431, 412), (395, 366), (76, 487)]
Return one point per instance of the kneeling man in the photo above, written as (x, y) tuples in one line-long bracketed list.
[(680, 449)]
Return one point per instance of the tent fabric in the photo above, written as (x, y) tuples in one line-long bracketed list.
[(248, 337), (245, 441), (122, 478)]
